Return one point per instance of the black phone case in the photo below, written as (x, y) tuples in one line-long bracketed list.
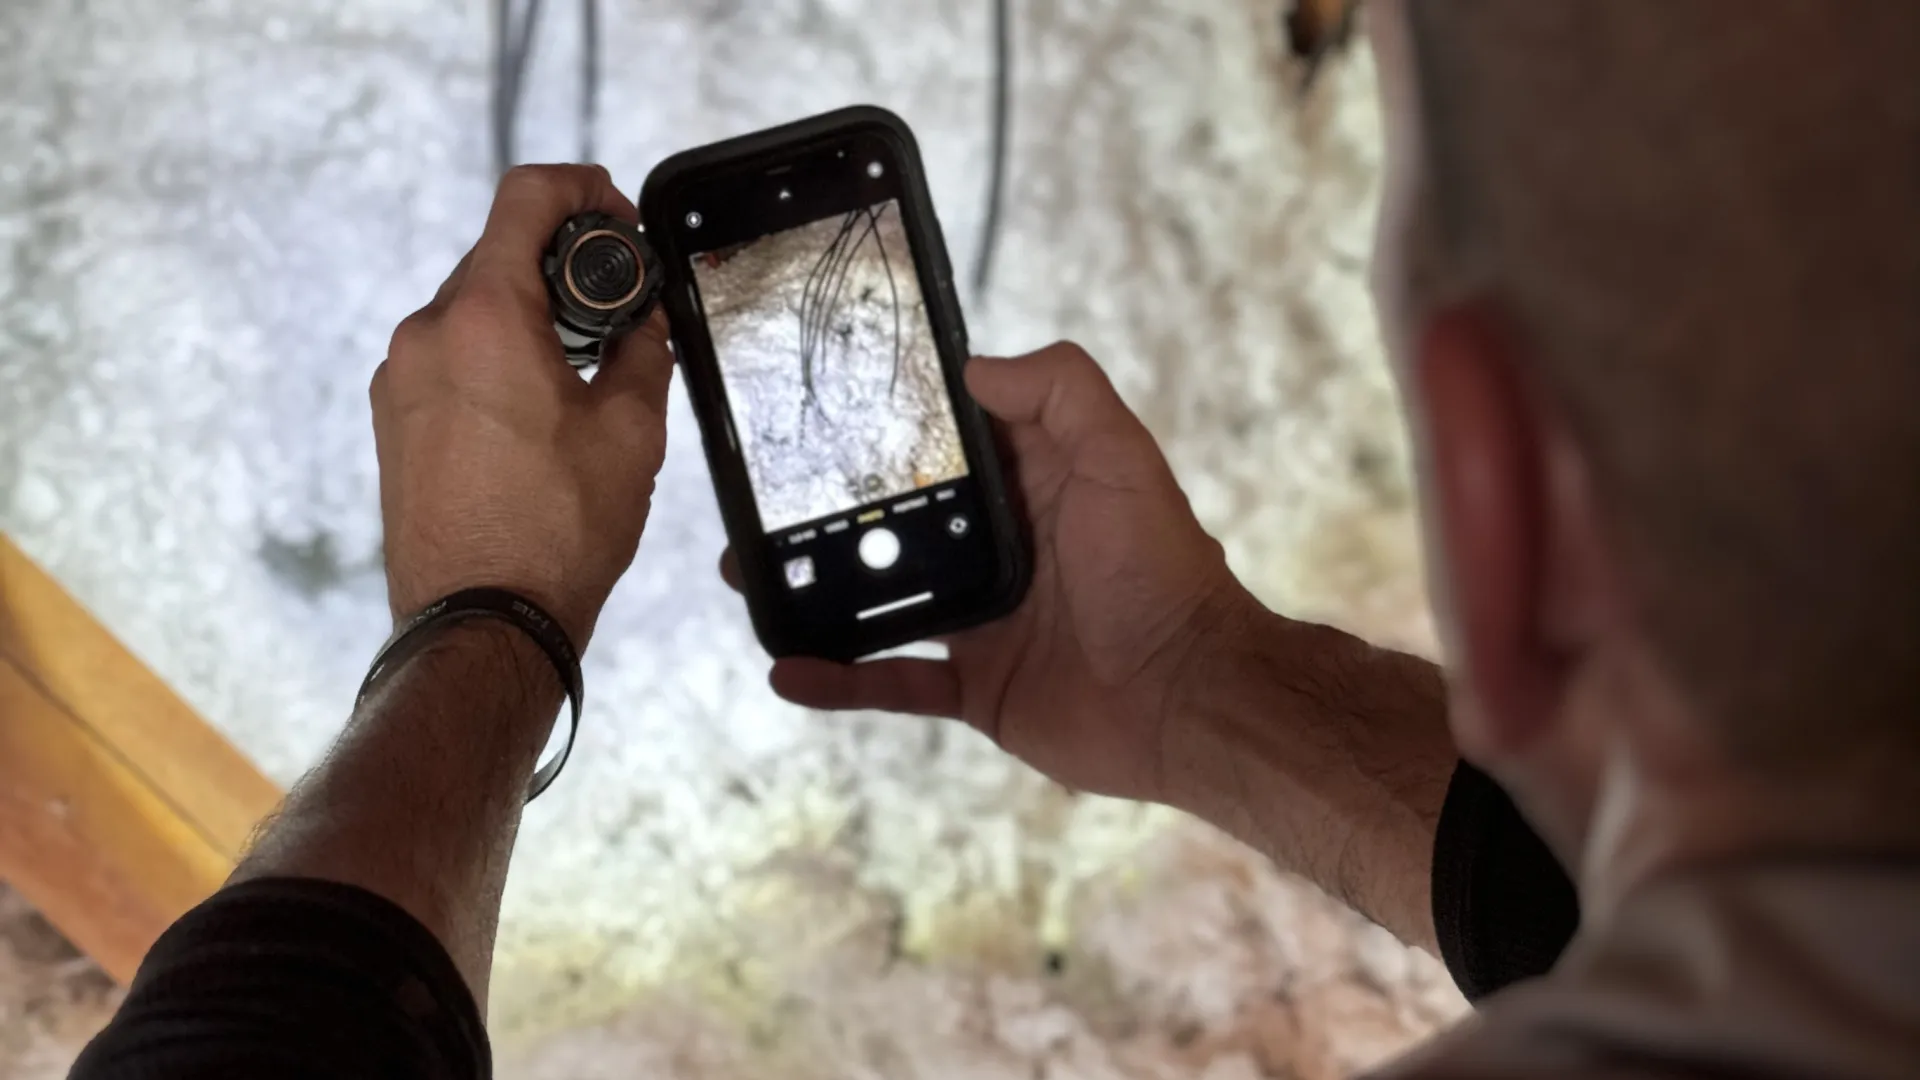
[(701, 370)]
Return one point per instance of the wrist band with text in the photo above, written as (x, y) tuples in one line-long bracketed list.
[(507, 607)]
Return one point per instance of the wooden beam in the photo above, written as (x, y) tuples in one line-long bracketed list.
[(120, 808)]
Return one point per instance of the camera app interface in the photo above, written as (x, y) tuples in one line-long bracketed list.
[(830, 366), (840, 405)]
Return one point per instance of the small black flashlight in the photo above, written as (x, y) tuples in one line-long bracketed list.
[(603, 278)]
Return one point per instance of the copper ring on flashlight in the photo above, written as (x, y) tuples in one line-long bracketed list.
[(639, 280)]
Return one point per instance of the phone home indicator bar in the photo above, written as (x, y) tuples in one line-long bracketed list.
[(889, 608)]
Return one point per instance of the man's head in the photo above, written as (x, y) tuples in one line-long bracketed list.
[(1651, 272)]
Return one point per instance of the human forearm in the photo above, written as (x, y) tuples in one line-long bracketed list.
[(1330, 755), (349, 939), (420, 799), (499, 468)]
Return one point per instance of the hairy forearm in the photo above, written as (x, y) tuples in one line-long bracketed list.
[(420, 798), (1330, 755)]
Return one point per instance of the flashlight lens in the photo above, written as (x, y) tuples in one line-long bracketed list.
[(605, 269), (875, 169)]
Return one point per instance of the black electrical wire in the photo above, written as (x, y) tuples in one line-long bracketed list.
[(840, 286), (589, 76), (812, 294), (997, 167), (514, 26), (824, 290), (893, 289), (817, 321), (809, 301), (838, 291), (838, 253)]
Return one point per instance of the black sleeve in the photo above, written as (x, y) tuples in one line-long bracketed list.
[(297, 980), (1503, 908)]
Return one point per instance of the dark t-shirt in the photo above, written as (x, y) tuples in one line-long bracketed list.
[(1503, 910), (293, 979), (313, 980)]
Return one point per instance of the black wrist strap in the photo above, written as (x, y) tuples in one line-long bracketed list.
[(416, 632)]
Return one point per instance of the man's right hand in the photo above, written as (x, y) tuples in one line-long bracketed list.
[(499, 466), (1137, 666), (1129, 593)]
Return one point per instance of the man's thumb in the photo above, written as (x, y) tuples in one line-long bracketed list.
[(1059, 387)]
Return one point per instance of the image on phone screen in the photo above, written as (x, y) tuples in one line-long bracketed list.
[(815, 318), (830, 366)]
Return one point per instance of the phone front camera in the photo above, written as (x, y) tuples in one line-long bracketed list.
[(876, 170), (785, 194), (694, 219)]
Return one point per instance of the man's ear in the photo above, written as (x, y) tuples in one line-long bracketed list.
[(1487, 467)]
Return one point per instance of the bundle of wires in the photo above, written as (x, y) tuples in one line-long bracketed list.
[(826, 285), (516, 20)]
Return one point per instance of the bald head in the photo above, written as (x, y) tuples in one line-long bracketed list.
[(1705, 218)]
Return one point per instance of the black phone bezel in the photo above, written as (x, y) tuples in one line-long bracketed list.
[(662, 205)]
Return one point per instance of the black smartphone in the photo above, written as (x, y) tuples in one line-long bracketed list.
[(820, 336)]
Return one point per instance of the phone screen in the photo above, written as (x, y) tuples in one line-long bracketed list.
[(815, 317), (831, 369)]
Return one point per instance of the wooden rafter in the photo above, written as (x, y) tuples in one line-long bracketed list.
[(120, 808)]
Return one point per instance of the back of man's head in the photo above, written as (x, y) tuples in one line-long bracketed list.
[(1705, 218)]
